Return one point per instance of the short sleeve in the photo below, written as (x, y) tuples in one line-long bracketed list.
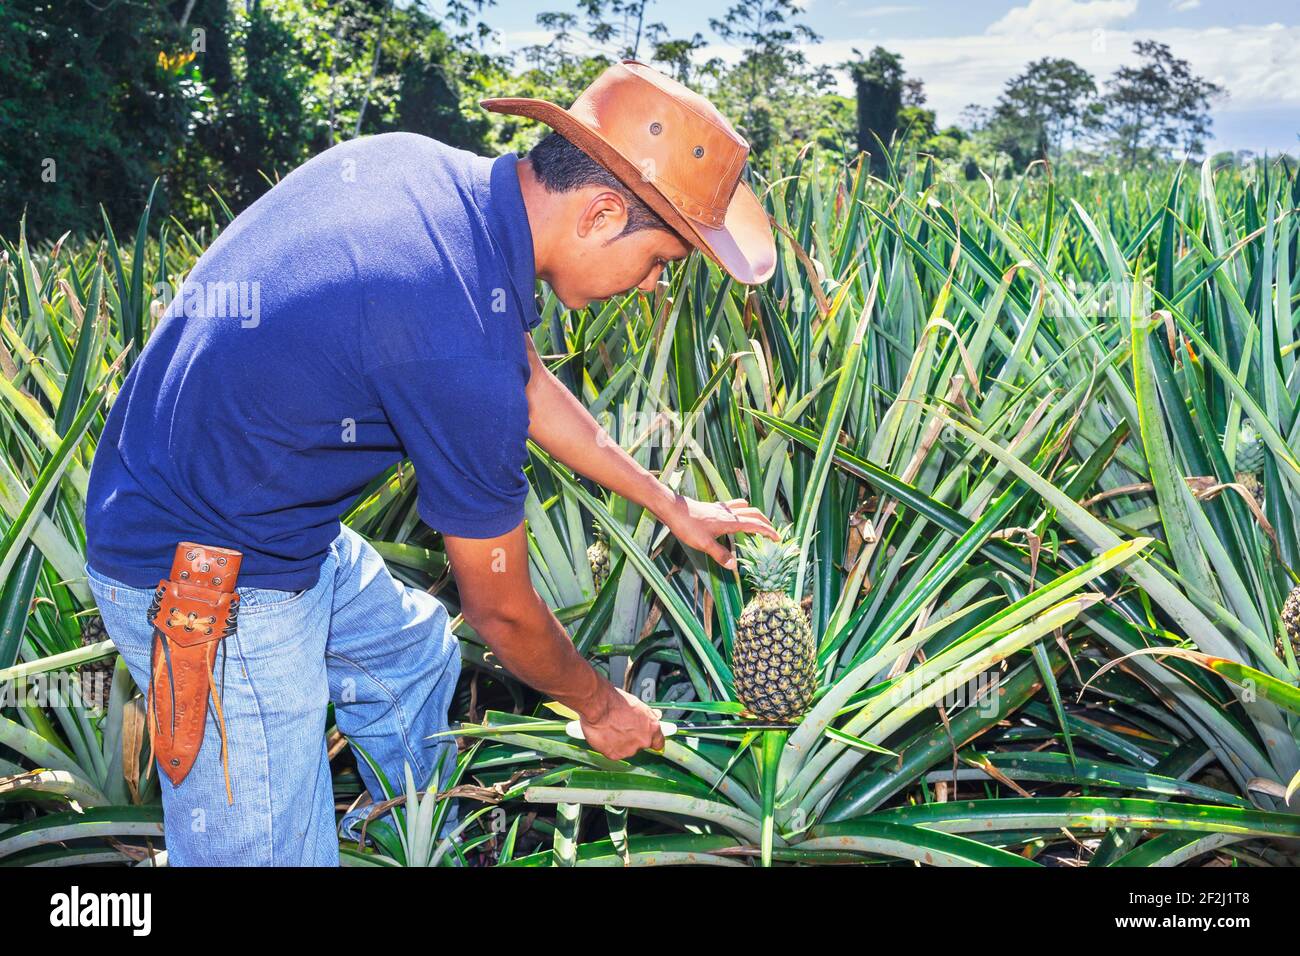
[(464, 424)]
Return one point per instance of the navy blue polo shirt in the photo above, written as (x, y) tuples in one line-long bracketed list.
[(372, 306)]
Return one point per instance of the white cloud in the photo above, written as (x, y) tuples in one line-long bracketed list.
[(1255, 64), (1182, 6), (514, 39), (1047, 18), (886, 10)]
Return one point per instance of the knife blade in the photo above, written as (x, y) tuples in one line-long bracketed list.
[(668, 728)]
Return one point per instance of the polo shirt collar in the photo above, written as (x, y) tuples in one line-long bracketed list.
[(502, 205)]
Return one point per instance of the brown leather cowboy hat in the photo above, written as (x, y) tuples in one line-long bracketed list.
[(671, 147)]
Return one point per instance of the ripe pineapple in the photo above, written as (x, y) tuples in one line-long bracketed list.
[(1291, 619), (774, 656), (598, 558), (97, 676)]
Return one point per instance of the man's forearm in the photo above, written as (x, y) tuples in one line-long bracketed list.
[(498, 600), (531, 644), (568, 432)]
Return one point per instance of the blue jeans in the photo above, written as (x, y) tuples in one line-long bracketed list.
[(382, 651)]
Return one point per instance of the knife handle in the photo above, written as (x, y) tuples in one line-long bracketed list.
[(574, 729)]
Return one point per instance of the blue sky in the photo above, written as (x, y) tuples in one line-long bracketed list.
[(966, 49)]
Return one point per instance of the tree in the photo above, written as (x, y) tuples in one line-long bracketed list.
[(914, 91), (880, 85), (91, 108), (296, 76), (601, 32), (620, 23), (1043, 109), (610, 30), (554, 54), (675, 54), (767, 32), (772, 79), (1159, 105)]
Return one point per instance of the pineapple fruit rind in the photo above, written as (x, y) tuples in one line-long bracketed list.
[(598, 559), (1254, 487), (96, 676), (1291, 619), (1250, 451)]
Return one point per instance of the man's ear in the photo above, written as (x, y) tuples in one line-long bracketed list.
[(605, 215)]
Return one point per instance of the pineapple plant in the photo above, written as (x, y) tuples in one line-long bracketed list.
[(1250, 450), (1254, 487), (598, 559), (96, 676), (774, 656), (1291, 619), (1250, 461)]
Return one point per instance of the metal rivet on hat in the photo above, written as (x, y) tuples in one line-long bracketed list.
[(699, 152), (656, 129)]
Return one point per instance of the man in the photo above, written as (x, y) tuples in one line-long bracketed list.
[(375, 305)]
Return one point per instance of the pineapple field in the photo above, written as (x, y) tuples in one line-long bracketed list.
[(1034, 447)]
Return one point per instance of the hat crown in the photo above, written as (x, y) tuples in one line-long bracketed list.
[(675, 137)]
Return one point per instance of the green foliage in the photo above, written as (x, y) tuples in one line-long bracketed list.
[(770, 90), (1043, 108), (561, 82), (88, 115), (878, 79), (290, 79), (1000, 415), (211, 97), (974, 442), (96, 108), (1158, 106)]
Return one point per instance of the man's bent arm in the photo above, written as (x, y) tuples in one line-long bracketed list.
[(499, 601), (563, 426)]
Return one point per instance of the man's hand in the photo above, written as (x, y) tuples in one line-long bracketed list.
[(698, 524), (563, 426), (499, 601), (621, 725)]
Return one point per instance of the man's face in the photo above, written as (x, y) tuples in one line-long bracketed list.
[(601, 261)]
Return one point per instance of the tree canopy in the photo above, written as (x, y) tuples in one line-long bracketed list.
[(215, 99)]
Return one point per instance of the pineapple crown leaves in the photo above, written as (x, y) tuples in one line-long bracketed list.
[(1246, 433), (769, 565)]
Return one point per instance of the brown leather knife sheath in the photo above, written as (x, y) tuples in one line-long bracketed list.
[(193, 611)]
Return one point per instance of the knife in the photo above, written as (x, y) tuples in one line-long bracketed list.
[(574, 728)]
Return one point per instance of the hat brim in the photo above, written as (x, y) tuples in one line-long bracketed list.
[(743, 247)]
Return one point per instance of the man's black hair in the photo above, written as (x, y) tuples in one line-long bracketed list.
[(561, 167)]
